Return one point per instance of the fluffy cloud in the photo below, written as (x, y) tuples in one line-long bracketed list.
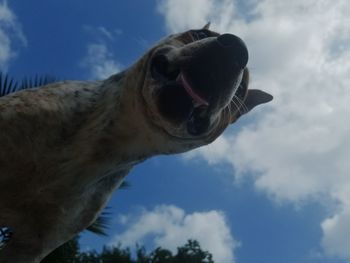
[(11, 35), (337, 231), (182, 14), (99, 59), (170, 227), (297, 148)]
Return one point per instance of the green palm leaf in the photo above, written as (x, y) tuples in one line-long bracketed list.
[(100, 225), (9, 85)]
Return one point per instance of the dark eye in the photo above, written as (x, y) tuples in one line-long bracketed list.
[(200, 34)]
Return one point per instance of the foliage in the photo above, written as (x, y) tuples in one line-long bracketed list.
[(67, 253), (100, 224), (191, 252), (9, 85)]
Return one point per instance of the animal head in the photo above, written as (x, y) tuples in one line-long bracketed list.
[(196, 83)]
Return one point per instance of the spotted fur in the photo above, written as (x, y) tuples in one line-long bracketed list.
[(67, 146)]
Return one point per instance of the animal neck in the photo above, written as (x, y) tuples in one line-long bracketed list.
[(120, 131)]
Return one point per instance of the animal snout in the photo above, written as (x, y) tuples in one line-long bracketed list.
[(215, 67), (234, 47)]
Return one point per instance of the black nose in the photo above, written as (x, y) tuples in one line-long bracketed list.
[(234, 47)]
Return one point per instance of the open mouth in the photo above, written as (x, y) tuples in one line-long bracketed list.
[(198, 100), (178, 99)]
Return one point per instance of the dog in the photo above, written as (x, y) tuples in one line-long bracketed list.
[(67, 146)]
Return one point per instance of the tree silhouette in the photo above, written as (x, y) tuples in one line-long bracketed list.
[(67, 253), (191, 252)]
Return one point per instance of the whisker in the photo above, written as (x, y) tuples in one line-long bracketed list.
[(246, 109), (241, 104), (237, 106), (229, 109)]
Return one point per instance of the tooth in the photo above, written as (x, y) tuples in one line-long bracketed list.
[(197, 104)]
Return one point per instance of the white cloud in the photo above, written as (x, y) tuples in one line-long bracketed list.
[(296, 148), (170, 227), (182, 14), (100, 61), (214, 153), (11, 35), (336, 238), (101, 33)]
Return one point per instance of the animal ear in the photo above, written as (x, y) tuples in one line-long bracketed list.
[(207, 25), (253, 98), (256, 97)]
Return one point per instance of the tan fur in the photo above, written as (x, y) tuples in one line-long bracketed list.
[(66, 147)]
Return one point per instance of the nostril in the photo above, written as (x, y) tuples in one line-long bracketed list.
[(235, 46)]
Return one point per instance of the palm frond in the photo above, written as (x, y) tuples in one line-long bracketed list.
[(9, 85), (37, 81), (6, 84), (124, 185), (101, 224)]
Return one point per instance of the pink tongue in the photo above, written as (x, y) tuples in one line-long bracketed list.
[(199, 101)]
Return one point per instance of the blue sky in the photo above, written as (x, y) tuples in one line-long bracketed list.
[(274, 187)]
